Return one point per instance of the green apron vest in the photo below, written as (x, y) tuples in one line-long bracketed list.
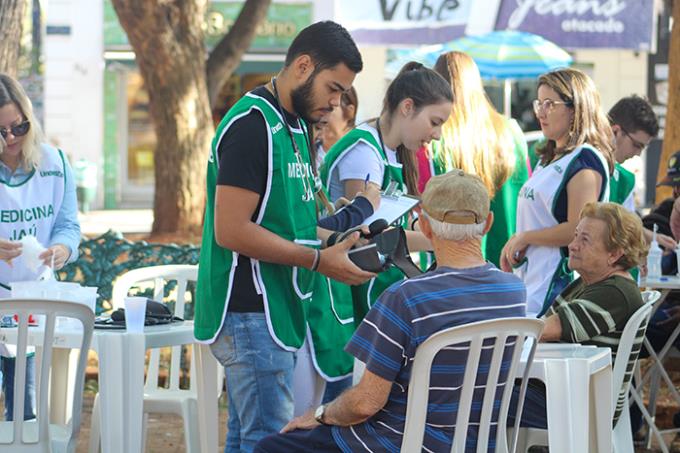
[(621, 186), (288, 210), (331, 325), (365, 294)]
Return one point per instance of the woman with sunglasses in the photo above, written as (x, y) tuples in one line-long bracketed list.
[(573, 170), (37, 198)]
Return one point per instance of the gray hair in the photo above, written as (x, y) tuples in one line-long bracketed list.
[(11, 92), (455, 232)]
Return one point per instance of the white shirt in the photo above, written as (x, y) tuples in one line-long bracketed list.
[(359, 161)]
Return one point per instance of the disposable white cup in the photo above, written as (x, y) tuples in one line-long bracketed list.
[(135, 310)]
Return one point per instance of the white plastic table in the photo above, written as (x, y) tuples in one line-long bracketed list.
[(121, 380), (578, 384)]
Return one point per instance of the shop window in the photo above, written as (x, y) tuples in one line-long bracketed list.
[(141, 134)]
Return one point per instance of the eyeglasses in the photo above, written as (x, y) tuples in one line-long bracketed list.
[(18, 130), (548, 105), (636, 143)]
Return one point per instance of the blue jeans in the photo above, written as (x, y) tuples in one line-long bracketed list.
[(7, 367), (259, 380)]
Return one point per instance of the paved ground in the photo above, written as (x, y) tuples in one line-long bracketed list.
[(127, 221), (164, 432)]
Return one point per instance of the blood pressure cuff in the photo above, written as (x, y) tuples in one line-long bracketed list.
[(386, 249)]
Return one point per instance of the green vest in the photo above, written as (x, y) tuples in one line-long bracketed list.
[(288, 210), (365, 294), (331, 324), (621, 186)]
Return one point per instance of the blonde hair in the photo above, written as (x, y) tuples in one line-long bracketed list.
[(590, 124), (475, 138), (11, 92), (623, 231)]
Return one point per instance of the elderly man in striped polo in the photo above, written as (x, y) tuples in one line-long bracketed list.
[(463, 289)]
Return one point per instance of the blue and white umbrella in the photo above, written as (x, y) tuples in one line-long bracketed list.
[(500, 55)]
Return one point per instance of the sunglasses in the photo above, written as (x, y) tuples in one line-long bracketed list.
[(18, 130)]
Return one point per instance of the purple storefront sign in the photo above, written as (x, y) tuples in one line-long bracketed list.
[(575, 24)]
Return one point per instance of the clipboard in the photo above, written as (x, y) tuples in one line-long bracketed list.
[(393, 205)]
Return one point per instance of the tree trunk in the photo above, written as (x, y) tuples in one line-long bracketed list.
[(226, 56), (168, 42), (671, 137), (11, 14)]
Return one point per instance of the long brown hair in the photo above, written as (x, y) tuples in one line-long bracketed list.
[(424, 87), (590, 124), (475, 138)]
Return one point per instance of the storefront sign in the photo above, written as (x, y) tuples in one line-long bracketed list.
[(276, 32), (573, 24), (404, 21), (625, 24), (283, 22)]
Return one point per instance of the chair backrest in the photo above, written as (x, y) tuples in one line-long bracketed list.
[(50, 309), (508, 336), (630, 343), (160, 275)]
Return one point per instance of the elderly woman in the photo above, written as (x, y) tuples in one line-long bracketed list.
[(594, 308), (37, 198)]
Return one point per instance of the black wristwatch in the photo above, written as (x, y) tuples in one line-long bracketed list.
[(319, 413)]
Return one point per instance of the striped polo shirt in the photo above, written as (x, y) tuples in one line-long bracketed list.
[(596, 315), (402, 318)]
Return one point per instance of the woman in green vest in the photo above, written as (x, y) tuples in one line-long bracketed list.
[(481, 141), (382, 151)]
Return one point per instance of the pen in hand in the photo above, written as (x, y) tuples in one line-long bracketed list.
[(368, 177)]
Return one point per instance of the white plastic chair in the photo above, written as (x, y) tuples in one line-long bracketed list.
[(622, 438), (158, 399), (509, 334), (39, 435), (656, 371)]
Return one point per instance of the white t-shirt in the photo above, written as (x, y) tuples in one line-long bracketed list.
[(320, 153), (359, 161)]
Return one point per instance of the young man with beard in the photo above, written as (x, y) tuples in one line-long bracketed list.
[(260, 250)]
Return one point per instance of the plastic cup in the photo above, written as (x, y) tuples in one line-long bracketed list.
[(135, 311)]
